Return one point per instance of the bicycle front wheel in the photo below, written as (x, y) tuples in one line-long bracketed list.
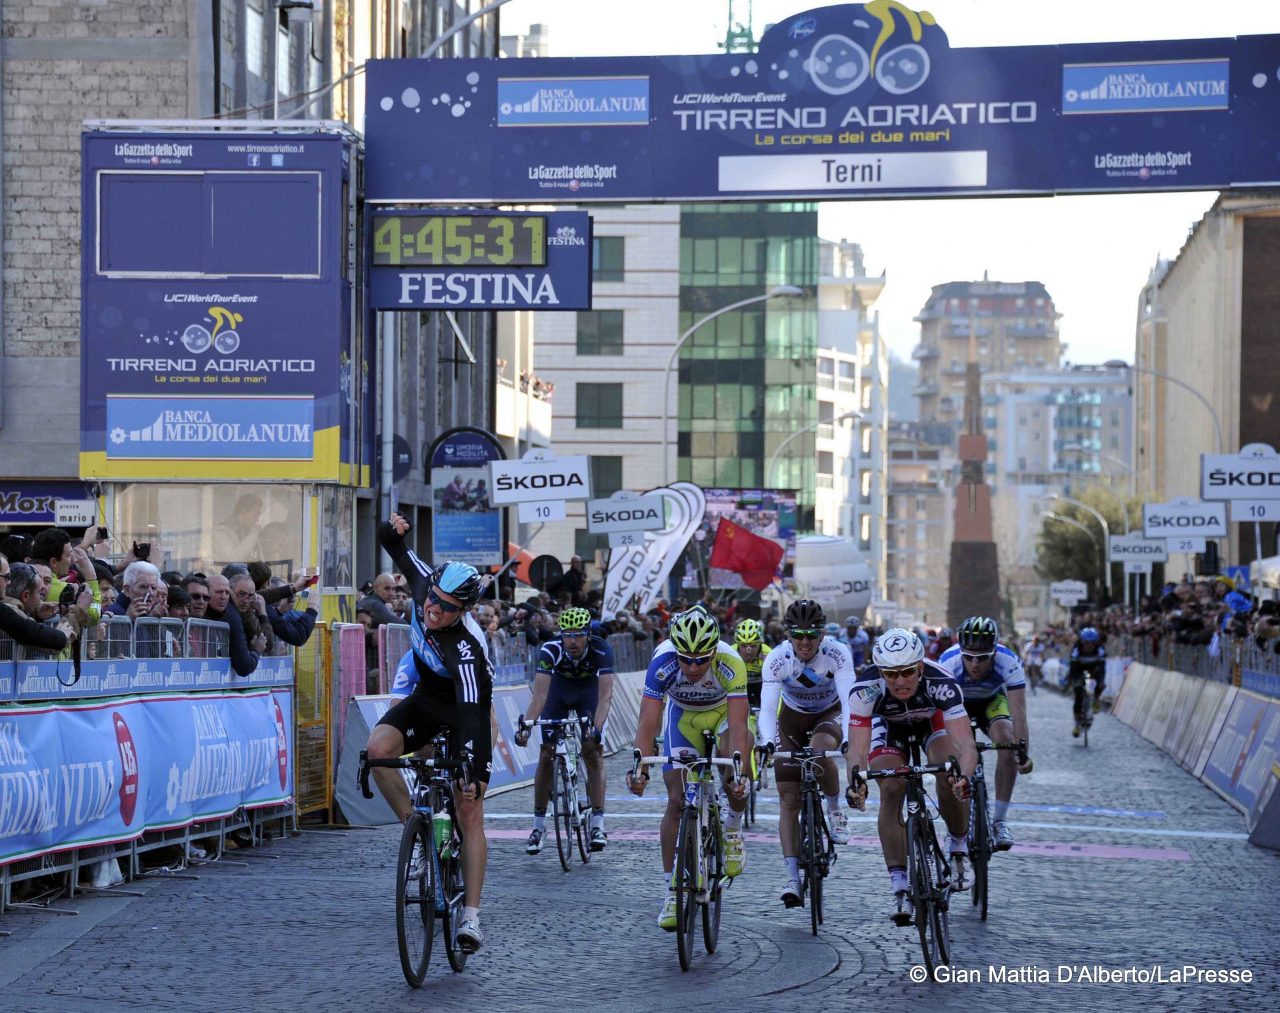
[(687, 875), (980, 847), (713, 862), (563, 805), (415, 899), (920, 875), (453, 897), (809, 847), (582, 823)]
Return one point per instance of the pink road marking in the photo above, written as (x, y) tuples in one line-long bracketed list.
[(1043, 849)]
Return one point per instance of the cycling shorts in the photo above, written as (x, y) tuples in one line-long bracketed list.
[(580, 695), (421, 715), (794, 731), (685, 728), (993, 708), (895, 736)]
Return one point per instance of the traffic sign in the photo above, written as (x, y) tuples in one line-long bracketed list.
[(1184, 516), (1126, 548), (1252, 474)]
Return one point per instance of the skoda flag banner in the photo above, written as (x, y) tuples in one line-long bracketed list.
[(842, 102), (641, 571), (1184, 517)]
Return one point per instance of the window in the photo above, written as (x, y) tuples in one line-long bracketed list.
[(600, 332), (599, 406), (826, 462), (608, 258), (606, 476)]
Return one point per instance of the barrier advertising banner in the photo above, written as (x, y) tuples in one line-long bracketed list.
[(216, 303), (843, 102), (79, 774), (1244, 749)]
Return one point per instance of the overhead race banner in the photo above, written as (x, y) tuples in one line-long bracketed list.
[(1184, 517), (843, 102), (642, 570), (464, 260), (216, 332)]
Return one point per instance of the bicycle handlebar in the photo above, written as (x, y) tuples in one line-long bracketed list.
[(689, 761), (951, 767), (409, 763), (809, 754)]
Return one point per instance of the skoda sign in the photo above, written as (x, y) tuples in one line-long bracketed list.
[(1253, 474), (1136, 549), (1184, 517), (539, 480), (625, 513)]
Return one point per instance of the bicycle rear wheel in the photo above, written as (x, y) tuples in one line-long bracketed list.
[(686, 885), (562, 814), (582, 826), (941, 909), (451, 870), (714, 863), (980, 847), (415, 899), (920, 876)]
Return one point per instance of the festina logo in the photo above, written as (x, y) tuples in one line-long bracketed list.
[(478, 289), (508, 483), (632, 514)]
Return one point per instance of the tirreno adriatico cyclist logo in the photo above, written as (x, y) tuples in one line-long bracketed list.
[(223, 338), (837, 63)]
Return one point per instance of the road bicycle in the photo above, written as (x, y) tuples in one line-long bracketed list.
[(699, 876), (982, 843), (429, 883), (928, 866), (570, 809), (1081, 688), (817, 846)]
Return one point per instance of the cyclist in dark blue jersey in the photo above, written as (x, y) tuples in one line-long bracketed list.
[(575, 672)]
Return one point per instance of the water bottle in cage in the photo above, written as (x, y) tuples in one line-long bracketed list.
[(442, 827)]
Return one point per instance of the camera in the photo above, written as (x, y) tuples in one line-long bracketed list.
[(67, 598), (141, 550), (102, 534)]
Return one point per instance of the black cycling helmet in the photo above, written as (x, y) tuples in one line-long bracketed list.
[(979, 634), (805, 614)]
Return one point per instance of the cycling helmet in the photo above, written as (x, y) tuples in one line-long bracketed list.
[(1089, 635), (749, 631), (852, 622), (897, 648), (804, 614), (694, 632), (575, 619), (979, 634), (833, 629), (462, 580)]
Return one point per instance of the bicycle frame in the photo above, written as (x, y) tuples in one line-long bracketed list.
[(817, 849), (569, 795), (981, 832)]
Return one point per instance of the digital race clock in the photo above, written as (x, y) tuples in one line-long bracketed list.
[(459, 240)]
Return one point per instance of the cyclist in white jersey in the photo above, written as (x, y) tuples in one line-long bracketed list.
[(811, 675)]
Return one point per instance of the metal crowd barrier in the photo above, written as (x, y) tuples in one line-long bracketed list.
[(207, 638)]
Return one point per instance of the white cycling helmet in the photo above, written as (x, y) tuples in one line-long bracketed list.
[(897, 648)]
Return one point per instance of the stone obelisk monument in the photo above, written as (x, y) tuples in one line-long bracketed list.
[(975, 572)]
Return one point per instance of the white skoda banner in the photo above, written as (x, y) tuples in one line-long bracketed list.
[(1252, 474), (642, 570), (1184, 517), (539, 477), (625, 511), (1136, 549)]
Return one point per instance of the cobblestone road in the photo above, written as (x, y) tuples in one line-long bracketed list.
[(1125, 861)]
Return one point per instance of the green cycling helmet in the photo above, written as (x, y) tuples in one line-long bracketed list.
[(694, 632), (575, 619), (749, 631)]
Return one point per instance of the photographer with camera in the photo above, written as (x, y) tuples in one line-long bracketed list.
[(24, 610)]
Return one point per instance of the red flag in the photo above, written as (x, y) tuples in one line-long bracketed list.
[(756, 559)]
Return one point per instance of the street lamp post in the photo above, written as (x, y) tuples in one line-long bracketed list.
[(1075, 524), (780, 290), (1106, 534), (1217, 423), (772, 468)]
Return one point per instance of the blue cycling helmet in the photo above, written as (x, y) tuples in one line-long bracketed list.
[(833, 629), (462, 580), (1089, 635)]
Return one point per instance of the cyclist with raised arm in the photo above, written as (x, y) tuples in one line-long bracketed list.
[(899, 697), (704, 686), (575, 672), (1088, 657), (454, 689), (810, 676), (991, 679)]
